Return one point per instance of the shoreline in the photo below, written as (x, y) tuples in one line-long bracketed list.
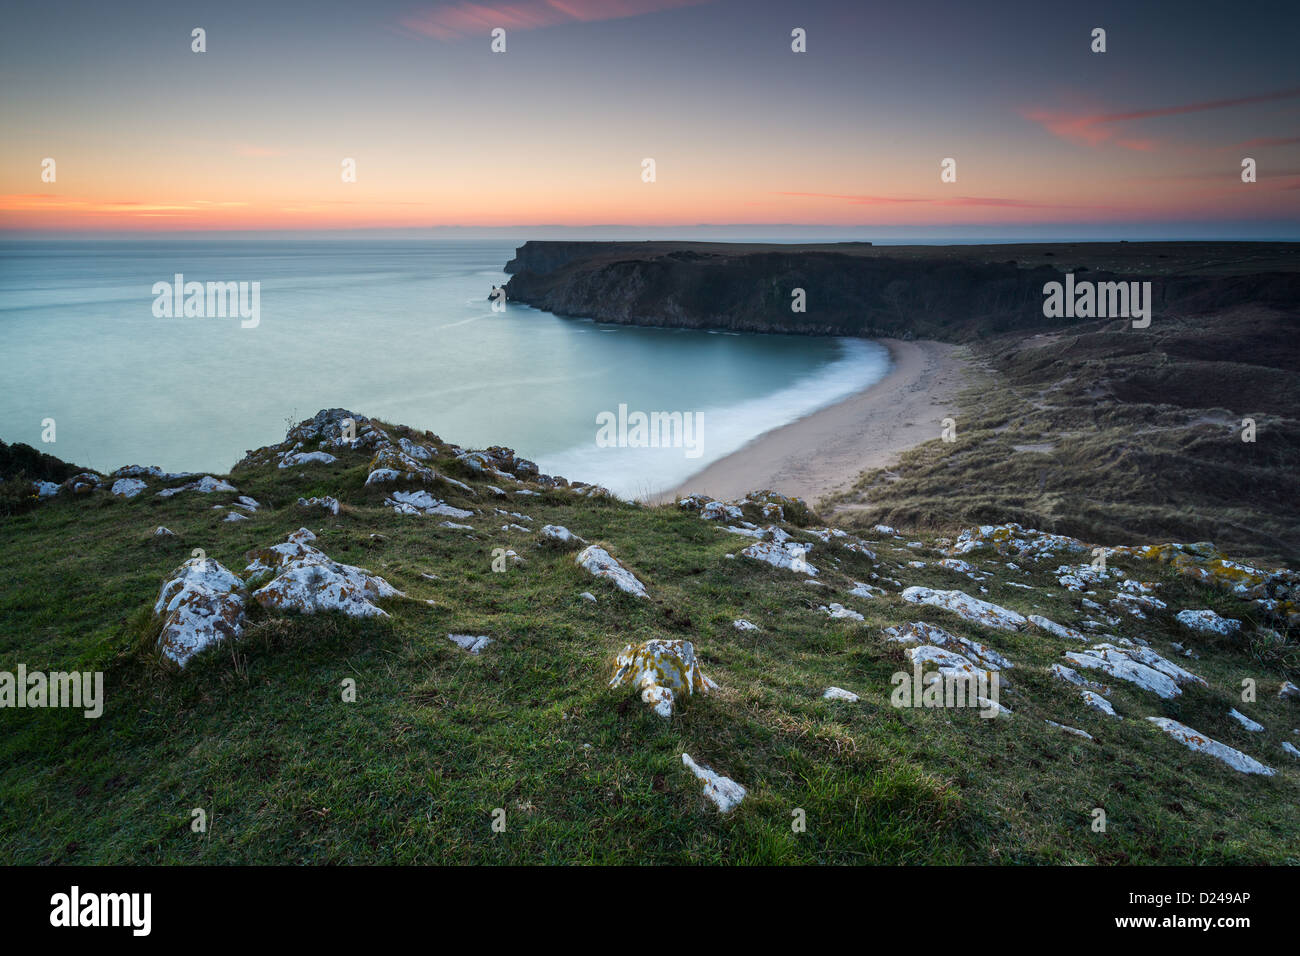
[(824, 452)]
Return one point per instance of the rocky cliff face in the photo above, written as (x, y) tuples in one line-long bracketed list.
[(948, 293)]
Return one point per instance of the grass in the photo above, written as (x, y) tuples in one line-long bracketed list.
[(1113, 435), (257, 734)]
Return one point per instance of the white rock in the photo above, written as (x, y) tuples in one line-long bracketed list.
[(473, 644), (235, 516), (1070, 730), (1116, 662), (1208, 622), (1097, 702), (127, 487), (743, 625), (422, 503), (716, 510), (981, 654), (788, 556), (247, 503), (1245, 721), (950, 663), (307, 458), (1056, 630), (839, 693), (588, 596), (309, 581), (414, 450), (205, 485), (596, 560), (865, 590), (162, 532), (556, 532), (1290, 748), (328, 503), (725, 793), (1288, 691), (1202, 744), (660, 670), (839, 612), (201, 605), (967, 607)]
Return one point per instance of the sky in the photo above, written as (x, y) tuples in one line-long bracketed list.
[(251, 135)]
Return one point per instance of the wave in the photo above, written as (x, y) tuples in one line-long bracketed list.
[(643, 472)]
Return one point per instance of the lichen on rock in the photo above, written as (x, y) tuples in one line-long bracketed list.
[(662, 670)]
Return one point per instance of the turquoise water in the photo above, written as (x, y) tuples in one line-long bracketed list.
[(400, 330)]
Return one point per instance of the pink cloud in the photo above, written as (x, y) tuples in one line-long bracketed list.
[(954, 201), (1094, 129), (1269, 141), (450, 21)]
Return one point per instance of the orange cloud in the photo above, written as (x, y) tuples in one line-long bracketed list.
[(450, 21)]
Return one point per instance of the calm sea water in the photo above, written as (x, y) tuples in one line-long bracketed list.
[(400, 330)]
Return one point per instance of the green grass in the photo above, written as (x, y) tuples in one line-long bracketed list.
[(256, 733)]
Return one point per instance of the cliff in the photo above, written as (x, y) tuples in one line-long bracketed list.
[(950, 293)]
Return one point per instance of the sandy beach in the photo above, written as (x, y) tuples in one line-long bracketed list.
[(823, 453)]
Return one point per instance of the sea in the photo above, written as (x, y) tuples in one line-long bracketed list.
[(93, 356)]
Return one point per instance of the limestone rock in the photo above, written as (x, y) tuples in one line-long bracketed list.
[(662, 670), (469, 642), (967, 607), (560, 535), (201, 604), (1208, 622), (1201, 744), (1245, 721), (308, 580), (423, 503), (205, 485), (839, 612), (127, 487), (725, 793), (307, 458), (787, 556), (596, 560), (1056, 630)]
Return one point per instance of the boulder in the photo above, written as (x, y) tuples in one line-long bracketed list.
[(127, 487), (308, 580), (201, 604), (596, 560), (662, 670)]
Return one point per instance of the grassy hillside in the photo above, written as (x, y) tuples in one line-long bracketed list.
[(1116, 434), (256, 733)]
